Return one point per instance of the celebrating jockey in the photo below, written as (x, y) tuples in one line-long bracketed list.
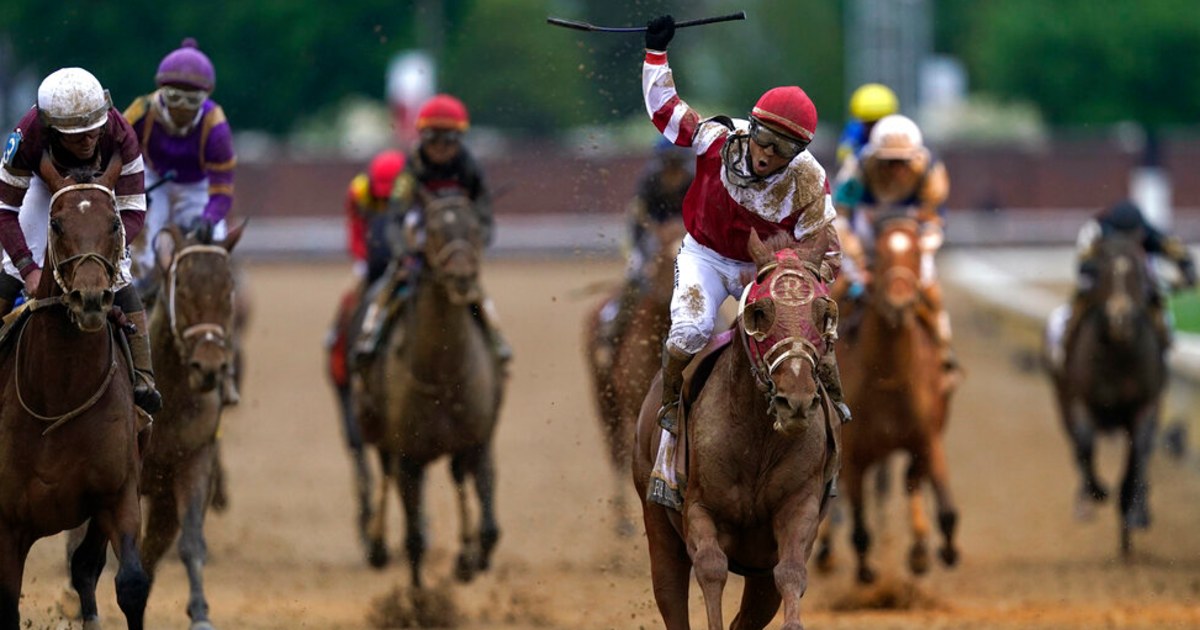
[(186, 140), (74, 123), (897, 174), (869, 103), (1125, 218), (440, 166), (750, 175), (659, 201)]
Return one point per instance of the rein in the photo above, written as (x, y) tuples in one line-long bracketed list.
[(211, 331), (59, 420)]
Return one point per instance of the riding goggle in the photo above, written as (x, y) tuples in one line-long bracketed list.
[(440, 136), (178, 97), (785, 147)]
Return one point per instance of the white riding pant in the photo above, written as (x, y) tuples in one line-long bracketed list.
[(180, 204), (35, 224), (703, 279)]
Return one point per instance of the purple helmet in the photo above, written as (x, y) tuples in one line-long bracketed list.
[(187, 66)]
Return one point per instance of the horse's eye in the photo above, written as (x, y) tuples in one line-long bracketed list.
[(56, 225), (116, 225)]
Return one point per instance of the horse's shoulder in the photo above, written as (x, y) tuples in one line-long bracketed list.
[(703, 363)]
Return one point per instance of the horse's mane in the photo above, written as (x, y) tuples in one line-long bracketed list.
[(779, 241), (83, 174)]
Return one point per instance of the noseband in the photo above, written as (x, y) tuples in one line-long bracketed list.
[(207, 331), (57, 266)]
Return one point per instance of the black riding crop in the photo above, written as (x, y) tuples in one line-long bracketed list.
[(584, 26)]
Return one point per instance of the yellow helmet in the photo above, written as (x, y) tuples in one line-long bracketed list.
[(873, 101)]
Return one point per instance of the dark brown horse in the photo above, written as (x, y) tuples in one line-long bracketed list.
[(71, 443), (437, 388), (190, 329), (762, 450), (892, 379), (1112, 379), (621, 369)]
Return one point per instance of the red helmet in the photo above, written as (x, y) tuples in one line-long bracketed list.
[(382, 173), (789, 110), (443, 112)]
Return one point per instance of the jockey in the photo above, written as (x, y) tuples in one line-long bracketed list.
[(75, 123), (750, 175), (659, 201), (1127, 219), (440, 166), (184, 138), (897, 174), (869, 103)]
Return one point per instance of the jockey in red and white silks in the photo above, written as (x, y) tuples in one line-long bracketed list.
[(725, 202)]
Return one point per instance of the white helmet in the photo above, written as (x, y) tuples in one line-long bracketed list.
[(71, 100), (895, 137)]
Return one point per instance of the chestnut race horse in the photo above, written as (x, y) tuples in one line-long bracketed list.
[(190, 329), (436, 389), (892, 379), (1112, 379), (761, 452), (622, 369), (71, 442)]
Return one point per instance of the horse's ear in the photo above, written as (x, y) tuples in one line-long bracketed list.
[(50, 174), (165, 243), (234, 235), (758, 251), (112, 172)]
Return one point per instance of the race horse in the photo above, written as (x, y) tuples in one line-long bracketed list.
[(71, 442), (1112, 378), (621, 369), (435, 390), (893, 381), (761, 451), (190, 329)]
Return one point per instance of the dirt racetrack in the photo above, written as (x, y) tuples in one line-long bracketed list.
[(286, 555)]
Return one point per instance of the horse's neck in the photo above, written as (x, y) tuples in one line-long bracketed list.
[(162, 342), (735, 376), (438, 328), (55, 354)]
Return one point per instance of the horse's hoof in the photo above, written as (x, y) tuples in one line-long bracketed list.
[(1138, 517), (1085, 510), (464, 569), (949, 556), (92, 624), (201, 625), (866, 576), (377, 554), (825, 560), (918, 559)]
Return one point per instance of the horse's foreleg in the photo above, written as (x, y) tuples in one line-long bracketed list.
[(670, 566), (1135, 488), (411, 483), (796, 533), (860, 537), (362, 469), (710, 562), (123, 525), (939, 476), (376, 542), (162, 525), (1083, 438), (918, 554), (86, 562), (489, 529), (469, 556), (760, 602), (12, 570), (825, 537), (191, 497)]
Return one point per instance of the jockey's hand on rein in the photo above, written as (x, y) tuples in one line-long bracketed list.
[(659, 32), (202, 230)]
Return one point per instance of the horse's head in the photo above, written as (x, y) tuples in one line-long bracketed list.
[(788, 321), (198, 285), (896, 268), (453, 246), (85, 242), (1122, 286)]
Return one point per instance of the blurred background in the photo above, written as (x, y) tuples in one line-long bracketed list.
[(1043, 111)]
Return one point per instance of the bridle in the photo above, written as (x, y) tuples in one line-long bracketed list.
[(790, 285), (57, 266), (207, 331), (454, 246)]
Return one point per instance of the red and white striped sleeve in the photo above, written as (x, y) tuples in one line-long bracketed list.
[(675, 119)]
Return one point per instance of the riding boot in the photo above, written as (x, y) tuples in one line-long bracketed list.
[(613, 328), (673, 364), (230, 396), (664, 488), (1161, 322), (374, 323), (485, 312), (145, 393), (938, 321), (831, 379)]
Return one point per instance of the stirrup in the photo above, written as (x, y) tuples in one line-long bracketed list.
[(668, 416), (843, 410), (146, 395)]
